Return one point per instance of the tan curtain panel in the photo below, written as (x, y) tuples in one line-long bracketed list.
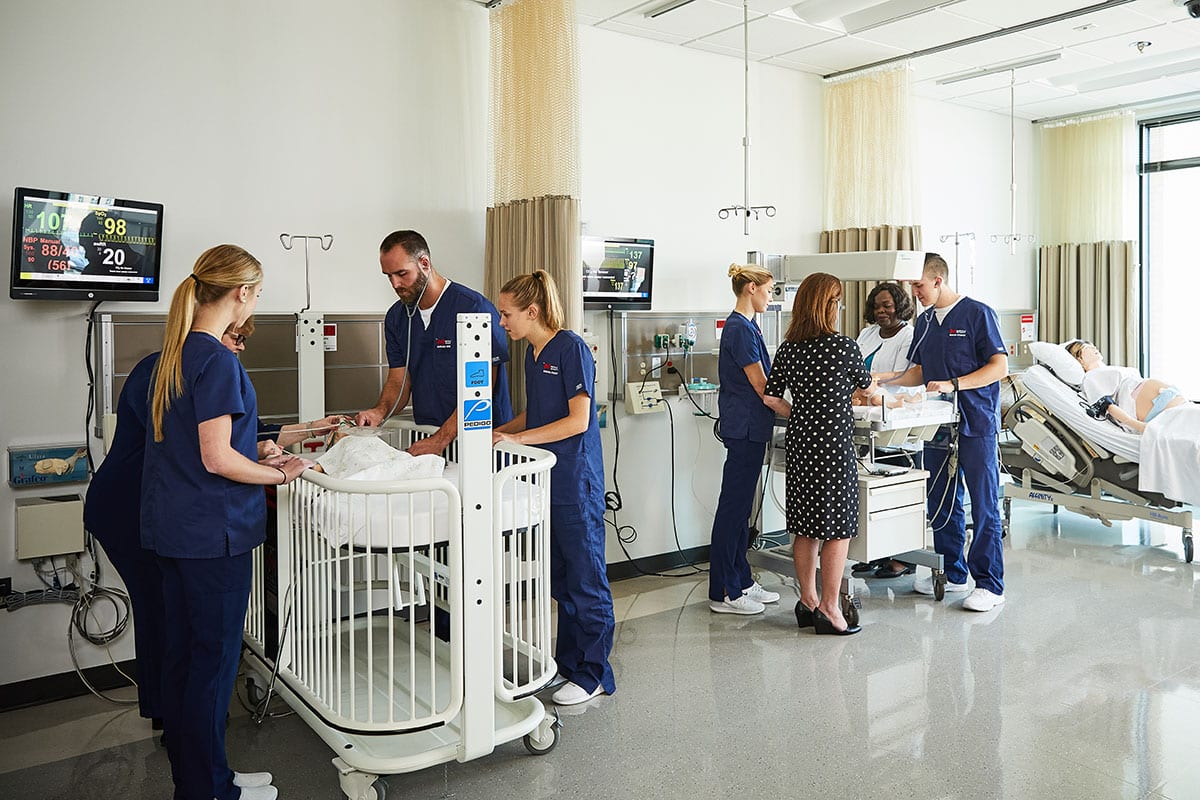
[(533, 214), (525, 235), (869, 149), (1090, 291), (859, 240)]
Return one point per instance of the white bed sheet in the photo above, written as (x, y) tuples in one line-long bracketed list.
[(1064, 402), (362, 520), (929, 412), (1171, 455)]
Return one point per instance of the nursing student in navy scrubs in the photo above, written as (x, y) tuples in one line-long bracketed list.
[(203, 512), (112, 514), (746, 427), (420, 330), (560, 416)]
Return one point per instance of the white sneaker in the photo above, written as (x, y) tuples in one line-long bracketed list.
[(982, 600), (251, 780), (572, 694), (259, 793), (745, 604), (924, 585), (756, 592)]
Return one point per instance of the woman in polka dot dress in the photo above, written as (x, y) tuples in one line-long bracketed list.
[(821, 369)]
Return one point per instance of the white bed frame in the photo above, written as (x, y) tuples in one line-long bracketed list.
[(347, 651)]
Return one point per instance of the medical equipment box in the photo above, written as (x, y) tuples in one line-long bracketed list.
[(49, 526), (40, 465)]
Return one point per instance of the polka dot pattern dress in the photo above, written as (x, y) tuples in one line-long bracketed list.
[(822, 472)]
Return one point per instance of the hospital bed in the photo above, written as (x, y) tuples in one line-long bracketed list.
[(339, 622), (1059, 455)]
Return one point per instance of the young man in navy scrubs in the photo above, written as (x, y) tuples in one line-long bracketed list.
[(957, 348), (420, 331)]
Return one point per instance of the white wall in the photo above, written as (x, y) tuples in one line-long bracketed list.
[(245, 120)]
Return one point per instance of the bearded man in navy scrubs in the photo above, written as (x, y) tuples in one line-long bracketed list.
[(957, 348), (420, 330)]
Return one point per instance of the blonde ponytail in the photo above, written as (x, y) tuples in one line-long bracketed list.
[(745, 274), (219, 270), (537, 288)]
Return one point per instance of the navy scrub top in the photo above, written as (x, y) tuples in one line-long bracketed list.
[(964, 341), (743, 414), (434, 355), (562, 370), (114, 498), (188, 512)]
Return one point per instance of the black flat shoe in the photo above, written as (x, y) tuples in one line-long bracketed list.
[(804, 615), (864, 566), (822, 625), (886, 571)]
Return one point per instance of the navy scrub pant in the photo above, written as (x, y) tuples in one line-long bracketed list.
[(579, 583), (142, 577), (729, 571), (978, 459), (205, 601)]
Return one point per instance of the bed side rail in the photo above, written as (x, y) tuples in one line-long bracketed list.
[(521, 508)]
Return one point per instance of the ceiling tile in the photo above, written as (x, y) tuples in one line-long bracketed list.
[(844, 52), (698, 18), (798, 66), (1024, 93), (660, 36), (1165, 38), (586, 19), (1106, 23), (1002, 49), (1161, 11), (1056, 107), (1014, 12), (767, 6), (772, 36), (937, 66), (925, 30), (703, 44), (948, 91), (611, 8)]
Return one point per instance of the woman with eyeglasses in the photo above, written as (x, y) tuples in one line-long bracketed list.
[(820, 368), (272, 439)]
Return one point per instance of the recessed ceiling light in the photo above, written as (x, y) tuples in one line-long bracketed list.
[(1087, 26)]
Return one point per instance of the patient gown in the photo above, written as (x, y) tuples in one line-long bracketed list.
[(822, 471)]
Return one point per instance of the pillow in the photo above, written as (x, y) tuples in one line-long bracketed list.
[(1056, 358)]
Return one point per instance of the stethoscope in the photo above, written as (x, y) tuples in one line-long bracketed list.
[(410, 312)]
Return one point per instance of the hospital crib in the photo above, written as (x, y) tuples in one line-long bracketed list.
[(401, 638)]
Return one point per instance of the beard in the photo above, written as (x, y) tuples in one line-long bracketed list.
[(413, 293)]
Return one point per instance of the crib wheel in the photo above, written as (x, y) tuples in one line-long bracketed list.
[(1187, 548), (543, 746), (939, 586), (377, 790)]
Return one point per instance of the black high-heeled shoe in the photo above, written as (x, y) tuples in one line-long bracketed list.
[(822, 625), (804, 615)]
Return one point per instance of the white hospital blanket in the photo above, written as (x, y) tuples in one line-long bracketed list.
[(930, 412), (419, 519), (366, 458), (1170, 454)]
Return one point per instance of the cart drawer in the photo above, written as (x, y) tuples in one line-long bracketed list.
[(889, 532), (895, 495)]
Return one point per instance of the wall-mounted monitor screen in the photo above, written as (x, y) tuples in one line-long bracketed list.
[(617, 273), (84, 247)]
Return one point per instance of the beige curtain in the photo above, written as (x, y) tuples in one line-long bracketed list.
[(856, 240), (533, 214), (869, 150), (1090, 291)]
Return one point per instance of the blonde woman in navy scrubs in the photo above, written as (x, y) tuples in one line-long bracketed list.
[(560, 416), (746, 427), (203, 512)]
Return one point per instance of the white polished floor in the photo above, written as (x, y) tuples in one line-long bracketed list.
[(1085, 684)]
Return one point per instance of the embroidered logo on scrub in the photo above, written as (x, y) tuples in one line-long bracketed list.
[(959, 333), (443, 344), (549, 369)]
